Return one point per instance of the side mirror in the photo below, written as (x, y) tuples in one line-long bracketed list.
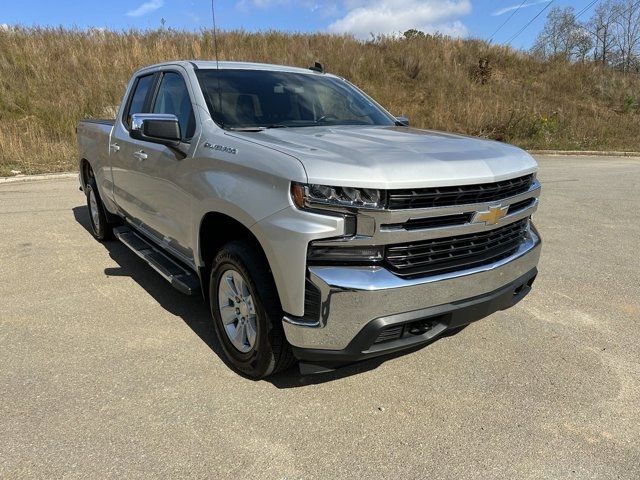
[(157, 128), (402, 121)]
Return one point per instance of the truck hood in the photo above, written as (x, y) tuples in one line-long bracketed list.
[(394, 157)]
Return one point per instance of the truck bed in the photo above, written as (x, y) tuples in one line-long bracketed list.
[(93, 143), (101, 121)]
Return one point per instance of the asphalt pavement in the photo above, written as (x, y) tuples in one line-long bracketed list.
[(106, 371)]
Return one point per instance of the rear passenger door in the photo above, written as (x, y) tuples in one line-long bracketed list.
[(158, 198), (128, 178)]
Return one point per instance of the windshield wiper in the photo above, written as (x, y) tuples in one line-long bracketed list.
[(257, 129), (246, 129)]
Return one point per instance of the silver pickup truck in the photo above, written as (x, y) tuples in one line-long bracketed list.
[(318, 227)]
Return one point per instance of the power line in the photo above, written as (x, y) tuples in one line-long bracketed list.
[(584, 10), (615, 15), (530, 22), (507, 20)]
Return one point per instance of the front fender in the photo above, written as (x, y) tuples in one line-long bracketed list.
[(247, 199), (284, 237)]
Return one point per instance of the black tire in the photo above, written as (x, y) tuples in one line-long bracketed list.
[(101, 229), (271, 353)]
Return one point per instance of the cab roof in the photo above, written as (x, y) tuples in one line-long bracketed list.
[(212, 64)]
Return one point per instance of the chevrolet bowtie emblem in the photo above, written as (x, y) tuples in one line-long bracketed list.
[(491, 216)]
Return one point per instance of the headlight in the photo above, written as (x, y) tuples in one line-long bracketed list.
[(308, 196)]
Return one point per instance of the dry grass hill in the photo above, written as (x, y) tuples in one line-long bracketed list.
[(51, 78)]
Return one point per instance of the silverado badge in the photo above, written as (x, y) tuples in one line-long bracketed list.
[(221, 148)]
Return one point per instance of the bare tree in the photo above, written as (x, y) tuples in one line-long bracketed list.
[(582, 44), (611, 36), (602, 28), (627, 33), (563, 37)]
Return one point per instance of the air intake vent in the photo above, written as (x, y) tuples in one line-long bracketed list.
[(312, 302), (431, 222), (518, 206), (390, 333)]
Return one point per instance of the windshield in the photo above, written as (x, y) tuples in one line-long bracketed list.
[(256, 99)]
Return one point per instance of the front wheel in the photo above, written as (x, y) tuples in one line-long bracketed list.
[(246, 312)]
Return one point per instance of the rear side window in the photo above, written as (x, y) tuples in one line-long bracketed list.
[(140, 92), (173, 98)]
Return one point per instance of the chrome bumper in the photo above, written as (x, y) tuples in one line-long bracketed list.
[(352, 297)]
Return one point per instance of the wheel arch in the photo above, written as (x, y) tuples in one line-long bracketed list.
[(216, 230), (85, 169)]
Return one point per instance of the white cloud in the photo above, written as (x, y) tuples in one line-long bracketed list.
[(395, 16), (323, 8), (518, 6), (246, 4), (146, 7), (4, 27)]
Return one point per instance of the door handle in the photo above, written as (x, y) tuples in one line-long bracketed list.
[(140, 155), (114, 146)]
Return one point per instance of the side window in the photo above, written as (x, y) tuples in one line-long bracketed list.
[(140, 91), (173, 97)]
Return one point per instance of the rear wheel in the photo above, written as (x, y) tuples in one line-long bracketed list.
[(247, 313), (100, 228)]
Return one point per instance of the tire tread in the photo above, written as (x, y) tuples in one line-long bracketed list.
[(260, 275)]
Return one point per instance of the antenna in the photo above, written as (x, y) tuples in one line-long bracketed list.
[(215, 33), (215, 48)]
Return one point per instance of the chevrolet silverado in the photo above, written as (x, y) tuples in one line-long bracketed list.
[(318, 227)]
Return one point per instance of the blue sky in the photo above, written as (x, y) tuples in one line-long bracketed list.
[(475, 18)]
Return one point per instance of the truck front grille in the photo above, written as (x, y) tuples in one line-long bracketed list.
[(450, 254), (462, 195)]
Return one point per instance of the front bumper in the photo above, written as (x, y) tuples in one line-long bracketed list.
[(359, 303)]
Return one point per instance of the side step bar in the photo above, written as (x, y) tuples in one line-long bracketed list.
[(178, 276)]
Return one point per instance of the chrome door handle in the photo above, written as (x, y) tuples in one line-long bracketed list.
[(140, 155), (115, 147)]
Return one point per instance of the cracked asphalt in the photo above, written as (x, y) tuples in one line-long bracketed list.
[(106, 371)]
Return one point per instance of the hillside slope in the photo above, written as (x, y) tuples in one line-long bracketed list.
[(49, 79)]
